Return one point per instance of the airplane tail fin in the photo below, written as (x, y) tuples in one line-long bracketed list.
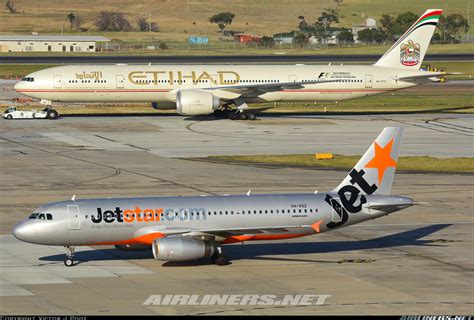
[(408, 52), (374, 172)]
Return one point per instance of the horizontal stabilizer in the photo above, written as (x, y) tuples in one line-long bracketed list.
[(430, 75)]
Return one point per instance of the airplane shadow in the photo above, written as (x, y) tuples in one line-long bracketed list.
[(260, 251)]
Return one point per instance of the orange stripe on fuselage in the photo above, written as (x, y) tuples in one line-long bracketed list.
[(145, 239), (233, 239)]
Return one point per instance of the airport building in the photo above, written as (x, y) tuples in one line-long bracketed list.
[(40, 43)]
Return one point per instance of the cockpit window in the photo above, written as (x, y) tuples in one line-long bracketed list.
[(29, 79), (41, 216)]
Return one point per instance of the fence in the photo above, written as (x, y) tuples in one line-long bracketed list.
[(211, 46)]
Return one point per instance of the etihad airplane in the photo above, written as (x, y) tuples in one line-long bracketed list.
[(195, 227), (225, 90)]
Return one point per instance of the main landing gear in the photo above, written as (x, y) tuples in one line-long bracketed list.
[(69, 260), (234, 114), (219, 259)]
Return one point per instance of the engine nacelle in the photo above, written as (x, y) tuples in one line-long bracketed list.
[(182, 249), (194, 102)]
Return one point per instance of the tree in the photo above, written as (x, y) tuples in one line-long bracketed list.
[(403, 21), (371, 36), (144, 25), (113, 21), (75, 21), (328, 17), (379, 36), (302, 25), (365, 36), (267, 42), (345, 37), (10, 6), (301, 39), (455, 24), (222, 20), (72, 19), (386, 24)]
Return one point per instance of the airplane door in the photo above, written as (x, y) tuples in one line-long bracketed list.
[(74, 217), (57, 81), (120, 80), (368, 81), (292, 78)]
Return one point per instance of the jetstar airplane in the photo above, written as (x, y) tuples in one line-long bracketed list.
[(225, 90), (194, 227)]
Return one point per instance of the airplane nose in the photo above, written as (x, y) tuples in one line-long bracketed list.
[(20, 231), (20, 85)]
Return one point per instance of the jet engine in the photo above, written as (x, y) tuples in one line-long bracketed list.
[(194, 102), (182, 249)]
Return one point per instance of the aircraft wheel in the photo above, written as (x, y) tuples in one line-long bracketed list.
[(220, 260), (68, 262), (243, 116), (251, 116), (233, 116), (52, 114), (9, 117)]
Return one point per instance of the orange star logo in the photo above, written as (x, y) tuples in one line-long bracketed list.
[(382, 160)]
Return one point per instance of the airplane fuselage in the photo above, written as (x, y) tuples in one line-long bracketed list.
[(141, 220), (159, 83)]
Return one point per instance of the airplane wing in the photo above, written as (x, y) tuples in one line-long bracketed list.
[(256, 89), (152, 232), (428, 75)]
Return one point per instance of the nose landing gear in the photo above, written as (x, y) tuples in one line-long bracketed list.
[(69, 260)]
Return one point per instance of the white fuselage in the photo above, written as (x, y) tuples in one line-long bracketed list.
[(160, 83)]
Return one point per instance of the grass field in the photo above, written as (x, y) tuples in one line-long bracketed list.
[(178, 19), (419, 164)]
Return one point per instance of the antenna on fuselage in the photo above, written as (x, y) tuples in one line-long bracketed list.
[(149, 63), (73, 198), (315, 191), (249, 192)]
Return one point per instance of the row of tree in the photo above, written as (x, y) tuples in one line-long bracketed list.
[(112, 21), (390, 27)]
